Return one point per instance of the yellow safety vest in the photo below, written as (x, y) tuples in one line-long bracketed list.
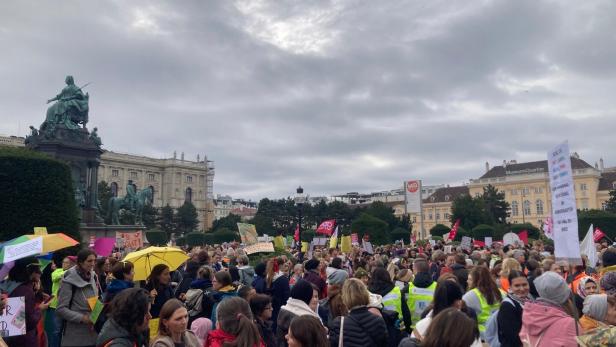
[(486, 310), (418, 299), (392, 301)]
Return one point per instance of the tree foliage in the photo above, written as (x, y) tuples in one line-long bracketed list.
[(376, 228), (36, 190), (439, 230), (470, 211), (495, 205), (187, 218), (228, 222), (610, 204), (157, 237), (166, 220)]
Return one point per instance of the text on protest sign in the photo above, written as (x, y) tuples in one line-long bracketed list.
[(133, 240), (13, 319), (24, 249)]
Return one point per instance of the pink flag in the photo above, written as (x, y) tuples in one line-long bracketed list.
[(296, 236), (598, 235), (104, 246), (548, 228), (326, 227), (454, 230)]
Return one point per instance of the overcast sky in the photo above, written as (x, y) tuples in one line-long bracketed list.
[(335, 96)]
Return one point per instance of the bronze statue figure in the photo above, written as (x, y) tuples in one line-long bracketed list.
[(135, 203), (70, 109)]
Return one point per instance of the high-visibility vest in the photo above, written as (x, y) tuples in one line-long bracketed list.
[(392, 301), (418, 299), (486, 310)]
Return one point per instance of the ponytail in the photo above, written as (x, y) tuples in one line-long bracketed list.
[(246, 334), (235, 318)]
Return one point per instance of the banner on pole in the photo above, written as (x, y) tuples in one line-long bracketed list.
[(564, 213), (248, 233), (413, 196)]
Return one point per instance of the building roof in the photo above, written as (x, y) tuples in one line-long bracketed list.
[(607, 180), (529, 167), (446, 194)]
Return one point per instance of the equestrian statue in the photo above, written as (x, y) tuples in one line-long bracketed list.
[(133, 201)]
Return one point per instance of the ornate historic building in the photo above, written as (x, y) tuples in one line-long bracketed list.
[(173, 180)]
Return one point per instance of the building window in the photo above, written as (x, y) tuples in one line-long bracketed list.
[(151, 177), (188, 179), (133, 175), (114, 189), (414, 219), (514, 208), (152, 198), (584, 205), (446, 197), (446, 215), (540, 207), (188, 195), (526, 208), (115, 173), (430, 216), (514, 192), (438, 215), (538, 190), (583, 186), (525, 191)]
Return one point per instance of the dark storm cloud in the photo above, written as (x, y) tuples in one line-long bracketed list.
[(334, 95)]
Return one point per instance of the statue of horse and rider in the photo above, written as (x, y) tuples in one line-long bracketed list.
[(134, 201)]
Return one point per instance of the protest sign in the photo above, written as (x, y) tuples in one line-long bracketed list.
[(345, 244), (279, 242), (564, 213), (13, 319), (367, 247), (96, 311), (23, 249), (466, 243), (248, 233), (432, 243), (130, 240), (412, 196), (259, 247), (104, 246), (355, 239), (488, 241), (447, 249)]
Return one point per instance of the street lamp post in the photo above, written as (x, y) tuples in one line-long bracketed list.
[(300, 200)]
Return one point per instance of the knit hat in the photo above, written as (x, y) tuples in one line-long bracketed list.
[(360, 272), (311, 264), (302, 290), (553, 288), (337, 277), (608, 283), (376, 301), (595, 306)]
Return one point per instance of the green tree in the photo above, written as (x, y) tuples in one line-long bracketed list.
[(37, 191), (377, 229), (150, 216), (470, 211), (481, 231), (187, 218), (383, 212), (228, 222), (104, 195), (400, 234), (166, 220), (495, 205), (439, 230), (610, 204)]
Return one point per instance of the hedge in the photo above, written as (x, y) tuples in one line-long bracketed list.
[(606, 221), (374, 227), (481, 231), (400, 234), (157, 237), (35, 190), (439, 230)]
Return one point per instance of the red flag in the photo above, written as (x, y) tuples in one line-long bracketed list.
[(479, 243), (454, 230), (413, 238), (523, 235), (326, 227), (598, 235), (296, 236)]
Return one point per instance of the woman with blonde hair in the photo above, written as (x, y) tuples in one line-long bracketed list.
[(360, 327), (172, 326), (507, 265)]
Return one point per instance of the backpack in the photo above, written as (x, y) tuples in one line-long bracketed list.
[(194, 301), (491, 333)]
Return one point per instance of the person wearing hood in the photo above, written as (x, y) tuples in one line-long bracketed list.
[(297, 305), (509, 316), (21, 279), (222, 289), (595, 311), (332, 306), (259, 281), (128, 321), (420, 292), (123, 273), (78, 285), (585, 286), (313, 276), (277, 286), (247, 272), (549, 321)]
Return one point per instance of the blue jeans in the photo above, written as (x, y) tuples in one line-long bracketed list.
[(53, 326)]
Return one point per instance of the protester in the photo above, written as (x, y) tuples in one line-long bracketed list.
[(381, 284), (458, 268), (362, 275), (508, 265), (78, 284), (585, 286), (594, 311), (333, 306), (277, 285), (158, 284), (246, 272), (550, 319), (450, 328), (483, 296), (188, 276), (510, 313), (172, 327), (313, 276), (128, 321), (201, 327), (298, 273), (123, 273), (234, 326), (261, 308), (297, 305), (421, 291), (359, 327), (222, 290), (101, 269), (447, 294), (52, 319), (198, 298), (306, 331), (259, 283)]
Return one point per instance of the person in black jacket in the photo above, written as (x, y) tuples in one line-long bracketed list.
[(361, 327), (158, 284), (509, 316), (261, 307), (459, 269), (189, 275)]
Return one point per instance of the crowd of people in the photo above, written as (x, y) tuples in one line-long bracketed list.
[(429, 296)]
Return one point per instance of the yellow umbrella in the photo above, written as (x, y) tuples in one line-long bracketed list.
[(145, 259)]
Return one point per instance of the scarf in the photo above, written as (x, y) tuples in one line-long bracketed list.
[(581, 289), (299, 308), (519, 299), (85, 275)]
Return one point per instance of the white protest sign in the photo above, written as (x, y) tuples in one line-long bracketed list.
[(488, 241), (259, 247), (564, 213), (432, 243), (447, 249), (13, 319), (367, 247), (24, 249), (466, 242)]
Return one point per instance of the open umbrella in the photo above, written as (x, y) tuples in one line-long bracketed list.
[(145, 259), (28, 245)]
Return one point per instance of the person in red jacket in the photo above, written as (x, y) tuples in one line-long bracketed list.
[(234, 324)]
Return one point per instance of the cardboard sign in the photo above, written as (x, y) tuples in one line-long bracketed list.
[(467, 242), (13, 319), (259, 247), (447, 249), (23, 249), (345, 244), (367, 247), (132, 240), (488, 240), (248, 233)]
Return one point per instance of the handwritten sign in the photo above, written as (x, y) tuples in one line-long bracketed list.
[(24, 249), (259, 248), (132, 240), (13, 319), (466, 242)]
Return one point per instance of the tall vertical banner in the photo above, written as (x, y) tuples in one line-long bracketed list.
[(564, 213), (413, 196)]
